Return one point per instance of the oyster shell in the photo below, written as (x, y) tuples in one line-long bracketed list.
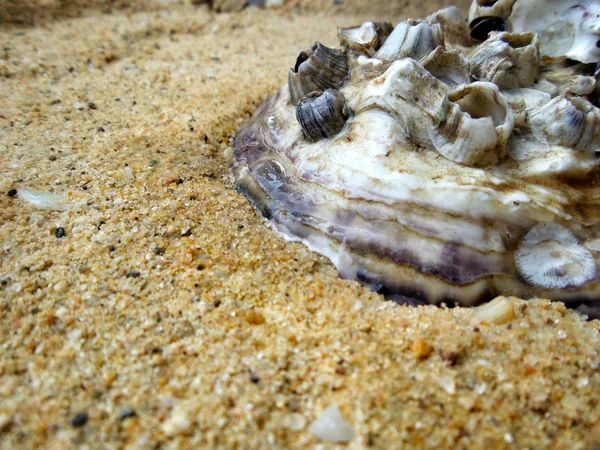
[(448, 170)]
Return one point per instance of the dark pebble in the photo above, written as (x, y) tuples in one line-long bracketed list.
[(52, 158), (60, 232), (101, 129), (158, 250), (450, 357), (124, 413), (133, 274), (80, 419), (92, 105), (11, 192)]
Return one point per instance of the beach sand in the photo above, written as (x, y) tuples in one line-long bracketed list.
[(159, 310)]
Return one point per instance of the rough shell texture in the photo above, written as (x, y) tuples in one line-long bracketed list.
[(568, 28), (317, 69), (367, 38), (436, 186)]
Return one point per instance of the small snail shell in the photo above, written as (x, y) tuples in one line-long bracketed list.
[(498, 8), (317, 69), (322, 114), (481, 27), (486, 16)]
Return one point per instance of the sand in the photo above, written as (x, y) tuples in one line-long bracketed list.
[(159, 310)]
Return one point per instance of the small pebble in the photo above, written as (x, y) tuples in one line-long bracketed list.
[(92, 105), (178, 423), (133, 274), (80, 419), (420, 349), (60, 232), (331, 426), (499, 311), (295, 421), (11, 192), (254, 378), (60, 287), (5, 421), (124, 413), (562, 334), (52, 158), (447, 383)]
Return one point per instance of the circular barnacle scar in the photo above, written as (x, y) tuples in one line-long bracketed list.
[(550, 256)]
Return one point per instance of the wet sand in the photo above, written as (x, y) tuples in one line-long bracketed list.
[(167, 314)]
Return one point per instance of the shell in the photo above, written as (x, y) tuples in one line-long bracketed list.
[(481, 27), (491, 8), (509, 60), (410, 40), (582, 85), (566, 28), (365, 39), (429, 186), (452, 22), (449, 66), (322, 114), (474, 125), (317, 69), (567, 121), (550, 256)]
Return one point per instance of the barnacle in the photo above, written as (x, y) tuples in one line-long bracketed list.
[(438, 162)]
